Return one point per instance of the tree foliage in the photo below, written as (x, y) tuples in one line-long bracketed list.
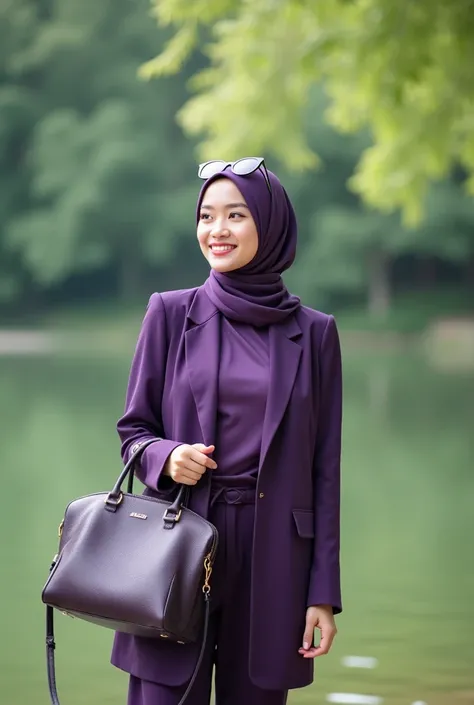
[(98, 184), (348, 250), (403, 70), (92, 170)]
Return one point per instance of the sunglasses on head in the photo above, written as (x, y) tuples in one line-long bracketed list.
[(242, 167)]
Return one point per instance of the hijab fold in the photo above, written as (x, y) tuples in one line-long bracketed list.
[(256, 294)]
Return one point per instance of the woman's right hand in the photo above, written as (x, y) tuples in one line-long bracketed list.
[(187, 464)]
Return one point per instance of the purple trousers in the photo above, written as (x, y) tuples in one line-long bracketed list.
[(227, 648)]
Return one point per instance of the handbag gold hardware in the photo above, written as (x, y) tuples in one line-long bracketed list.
[(206, 588), (115, 504), (172, 517)]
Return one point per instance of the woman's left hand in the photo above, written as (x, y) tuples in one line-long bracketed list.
[(318, 617)]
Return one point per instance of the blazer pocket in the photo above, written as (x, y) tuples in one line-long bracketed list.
[(304, 520)]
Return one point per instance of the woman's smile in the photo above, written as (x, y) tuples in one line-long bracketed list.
[(222, 250)]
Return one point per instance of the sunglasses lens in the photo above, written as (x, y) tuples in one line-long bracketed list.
[(246, 165), (208, 169)]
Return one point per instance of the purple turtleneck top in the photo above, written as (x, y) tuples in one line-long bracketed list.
[(242, 397)]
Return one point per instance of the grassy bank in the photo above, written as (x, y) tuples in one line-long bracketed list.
[(110, 327), (410, 313)]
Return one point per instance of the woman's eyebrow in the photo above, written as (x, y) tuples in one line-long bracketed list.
[(229, 205)]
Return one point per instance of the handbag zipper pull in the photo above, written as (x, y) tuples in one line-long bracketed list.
[(206, 588)]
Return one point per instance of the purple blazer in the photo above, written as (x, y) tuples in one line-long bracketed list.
[(172, 393)]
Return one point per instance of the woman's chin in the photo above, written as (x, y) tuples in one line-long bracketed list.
[(222, 267)]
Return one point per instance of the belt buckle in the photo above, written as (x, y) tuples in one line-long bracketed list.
[(233, 499)]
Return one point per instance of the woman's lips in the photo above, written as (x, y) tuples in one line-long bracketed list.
[(222, 250)]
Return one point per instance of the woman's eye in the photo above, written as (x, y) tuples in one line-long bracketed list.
[(238, 215), (205, 216)]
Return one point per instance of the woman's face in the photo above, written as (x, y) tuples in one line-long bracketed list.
[(226, 231)]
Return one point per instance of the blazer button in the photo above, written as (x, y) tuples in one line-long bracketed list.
[(261, 495)]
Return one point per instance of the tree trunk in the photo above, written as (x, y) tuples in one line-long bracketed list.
[(470, 273), (379, 285), (427, 272)]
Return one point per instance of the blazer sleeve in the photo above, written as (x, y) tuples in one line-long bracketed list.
[(325, 587), (142, 417)]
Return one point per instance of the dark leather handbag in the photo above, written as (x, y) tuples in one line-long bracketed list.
[(132, 563)]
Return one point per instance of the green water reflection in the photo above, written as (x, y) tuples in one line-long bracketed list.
[(408, 574)]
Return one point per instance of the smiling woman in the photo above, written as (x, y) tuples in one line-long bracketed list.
[(241, 387), (226, 231)]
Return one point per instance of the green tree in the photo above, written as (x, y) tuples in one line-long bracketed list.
[(401, 69), (100, 176), (19, 108), (347, 251)]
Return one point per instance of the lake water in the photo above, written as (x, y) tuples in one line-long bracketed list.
[(408, 528)]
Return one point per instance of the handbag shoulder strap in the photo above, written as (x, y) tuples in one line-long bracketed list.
[(51, 645)]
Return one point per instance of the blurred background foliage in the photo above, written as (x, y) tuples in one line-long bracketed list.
[(98, 182)]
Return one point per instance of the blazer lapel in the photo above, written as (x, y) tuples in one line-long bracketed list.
[(202, 345), (285, 354)]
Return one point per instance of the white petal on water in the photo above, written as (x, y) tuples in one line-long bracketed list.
[(354, 699), (359, 661)]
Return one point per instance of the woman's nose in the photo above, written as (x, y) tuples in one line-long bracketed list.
[(219, 232)]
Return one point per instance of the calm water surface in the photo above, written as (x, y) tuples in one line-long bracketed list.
[(408, 528)]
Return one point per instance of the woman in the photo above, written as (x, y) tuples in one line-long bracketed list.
[(244, 385)]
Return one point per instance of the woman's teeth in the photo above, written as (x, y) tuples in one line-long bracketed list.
[(222, 249)]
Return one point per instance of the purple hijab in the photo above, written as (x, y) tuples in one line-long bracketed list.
[(255, 294)]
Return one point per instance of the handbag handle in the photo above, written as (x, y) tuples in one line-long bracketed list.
[(115, 496)]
